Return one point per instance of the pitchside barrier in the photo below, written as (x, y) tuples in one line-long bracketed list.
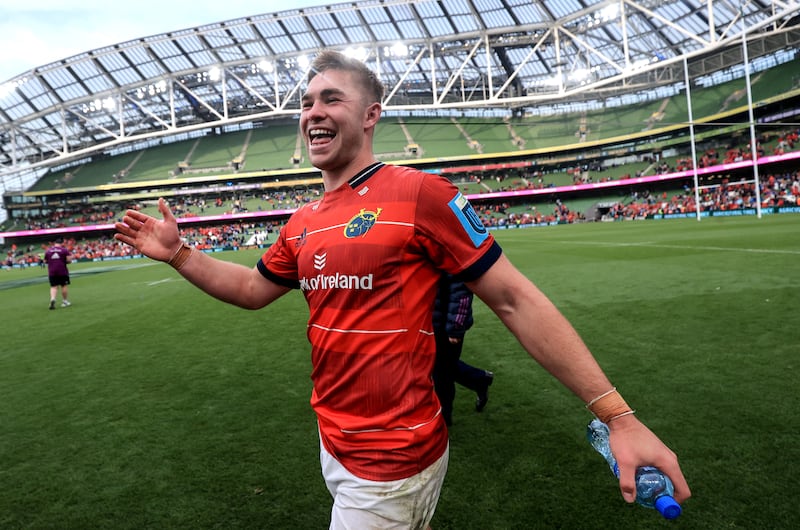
[(512, 226)]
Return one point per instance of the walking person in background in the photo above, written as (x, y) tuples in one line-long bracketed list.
[(57, 257), (452, 317), (367, 257)]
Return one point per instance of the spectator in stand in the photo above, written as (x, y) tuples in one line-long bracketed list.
[(57, 258), (452, 317)]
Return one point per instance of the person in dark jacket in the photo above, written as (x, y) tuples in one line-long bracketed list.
[(452, 317)]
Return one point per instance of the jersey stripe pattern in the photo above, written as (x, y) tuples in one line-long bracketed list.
[(367, 258)]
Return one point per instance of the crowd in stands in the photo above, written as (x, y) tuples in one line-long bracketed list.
[(70, 215), (591, 171), (528, 178), (191, 206), (784, 141), (499, 216), (533, 179), (775, 191), (183, 207), (231, 236)]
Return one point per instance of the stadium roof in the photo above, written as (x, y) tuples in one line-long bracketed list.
[(431, 54)]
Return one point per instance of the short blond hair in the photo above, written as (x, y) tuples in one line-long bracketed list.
[(333, 60)]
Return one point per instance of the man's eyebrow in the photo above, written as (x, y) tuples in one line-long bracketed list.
[(327, 92)]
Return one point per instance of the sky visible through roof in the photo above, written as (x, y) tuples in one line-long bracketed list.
[(38, 32)]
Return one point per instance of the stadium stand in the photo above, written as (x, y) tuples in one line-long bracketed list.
[(588, 158)]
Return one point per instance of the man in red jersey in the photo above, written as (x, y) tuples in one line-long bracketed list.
[(367, 257)]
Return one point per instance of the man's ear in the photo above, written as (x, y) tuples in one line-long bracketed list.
[(372, 115)]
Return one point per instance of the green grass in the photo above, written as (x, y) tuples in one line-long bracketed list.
[(147, 404)]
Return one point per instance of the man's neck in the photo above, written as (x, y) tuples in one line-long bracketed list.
[(334, 178)]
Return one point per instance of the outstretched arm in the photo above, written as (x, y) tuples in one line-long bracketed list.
[(550, 339), (229, 282)]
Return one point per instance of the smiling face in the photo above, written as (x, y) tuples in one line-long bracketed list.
[(337, 125)]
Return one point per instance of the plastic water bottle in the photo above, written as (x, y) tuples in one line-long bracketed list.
[(653, 488)]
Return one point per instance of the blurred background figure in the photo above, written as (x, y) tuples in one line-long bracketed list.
[(452, 317), (57, 258)]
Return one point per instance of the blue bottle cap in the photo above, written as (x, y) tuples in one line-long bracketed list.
[(668, 507)]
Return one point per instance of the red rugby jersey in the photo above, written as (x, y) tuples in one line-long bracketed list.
[(367, 257)]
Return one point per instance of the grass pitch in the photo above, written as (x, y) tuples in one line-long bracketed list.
[(147, 404)]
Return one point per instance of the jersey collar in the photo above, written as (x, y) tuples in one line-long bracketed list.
[(364, 174)]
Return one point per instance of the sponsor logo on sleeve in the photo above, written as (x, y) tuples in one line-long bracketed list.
[(469, 219)]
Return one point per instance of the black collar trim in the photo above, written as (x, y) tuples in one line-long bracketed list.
[(365, 174)]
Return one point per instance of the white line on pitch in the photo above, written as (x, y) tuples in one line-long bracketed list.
[(165, 280)]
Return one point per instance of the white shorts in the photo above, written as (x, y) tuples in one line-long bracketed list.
[(359, 504)]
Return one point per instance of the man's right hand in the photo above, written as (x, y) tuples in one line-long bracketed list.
[(156, 239)]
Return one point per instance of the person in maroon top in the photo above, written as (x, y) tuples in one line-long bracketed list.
[(367, 257), (57, 258)]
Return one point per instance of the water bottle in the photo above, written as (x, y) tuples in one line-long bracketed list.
[(653, 488)]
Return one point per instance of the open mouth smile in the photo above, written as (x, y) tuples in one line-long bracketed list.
[(319, 136)]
